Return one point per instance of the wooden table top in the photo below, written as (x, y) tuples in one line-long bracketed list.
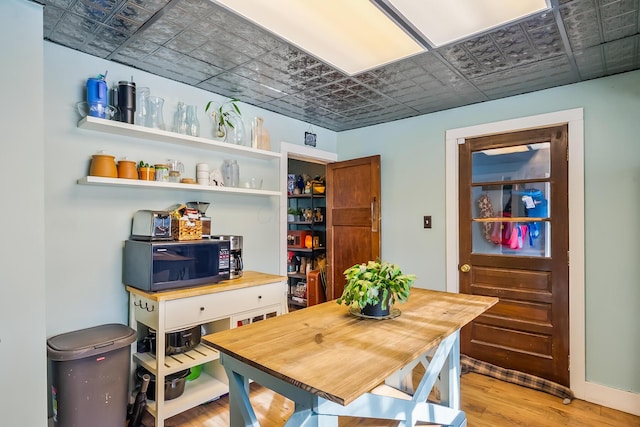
[(248, 279), (327, 351)]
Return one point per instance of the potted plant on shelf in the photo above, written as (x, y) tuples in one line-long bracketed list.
[(222, 116), (293, 214), (373, 287), (145, 171)]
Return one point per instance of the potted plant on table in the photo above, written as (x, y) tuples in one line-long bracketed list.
[(222, 115), (373, 287)]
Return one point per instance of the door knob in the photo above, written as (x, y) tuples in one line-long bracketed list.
[(465, 268)]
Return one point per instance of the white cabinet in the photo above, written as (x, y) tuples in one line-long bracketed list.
[(161, 136), (251, 298)]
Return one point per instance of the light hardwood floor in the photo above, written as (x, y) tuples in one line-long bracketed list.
[(487, 402)]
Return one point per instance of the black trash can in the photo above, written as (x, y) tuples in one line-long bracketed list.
[(90, 376)]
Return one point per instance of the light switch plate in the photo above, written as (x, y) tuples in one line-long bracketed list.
[(427, 221)]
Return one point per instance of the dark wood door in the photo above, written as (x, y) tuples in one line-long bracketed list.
[(514, 245), (353, 217)]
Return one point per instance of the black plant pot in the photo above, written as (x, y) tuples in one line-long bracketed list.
[(375, 310)]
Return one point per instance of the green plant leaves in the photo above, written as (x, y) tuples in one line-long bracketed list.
[(375, 281)]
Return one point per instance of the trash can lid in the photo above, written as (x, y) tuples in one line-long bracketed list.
[(90, 341)]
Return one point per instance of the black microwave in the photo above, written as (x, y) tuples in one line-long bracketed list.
[(161, 266)]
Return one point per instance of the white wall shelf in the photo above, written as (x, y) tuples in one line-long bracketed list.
[(151, 134), (120, 182)]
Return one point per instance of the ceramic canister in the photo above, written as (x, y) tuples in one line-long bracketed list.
[(127, 169), (103, 165)]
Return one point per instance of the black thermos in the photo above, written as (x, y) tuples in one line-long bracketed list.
[(127, 101)]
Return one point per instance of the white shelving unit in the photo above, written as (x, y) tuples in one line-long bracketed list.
[(252, 298), (162, 136)]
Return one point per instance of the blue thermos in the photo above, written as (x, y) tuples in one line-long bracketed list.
[(97, 96)]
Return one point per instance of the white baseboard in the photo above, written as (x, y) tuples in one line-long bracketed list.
[(620, 400)]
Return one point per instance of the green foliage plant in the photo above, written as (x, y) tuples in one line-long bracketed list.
[(373, 282), (222, 112)]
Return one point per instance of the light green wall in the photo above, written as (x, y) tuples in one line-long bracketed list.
[(413, 185), (23, 388)]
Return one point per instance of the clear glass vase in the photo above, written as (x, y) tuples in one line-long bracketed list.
[(180, 119), (220, 131), (192, 122), (142, 107), (237, 134), (155, 118)]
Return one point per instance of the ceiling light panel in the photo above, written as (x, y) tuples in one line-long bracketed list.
[(353, 36), (442, 22)]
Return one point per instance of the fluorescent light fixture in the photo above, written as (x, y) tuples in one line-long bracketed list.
[(352, 35), (445, 21)]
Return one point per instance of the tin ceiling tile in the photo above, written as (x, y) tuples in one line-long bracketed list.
[(621, 55), (134, 13), (225, 60), (233, 85), (92, 11), (63, 4), (590, 62), (51, 17), (150, 5), (549, 73)]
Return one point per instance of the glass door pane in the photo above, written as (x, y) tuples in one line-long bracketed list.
[(510, 200)]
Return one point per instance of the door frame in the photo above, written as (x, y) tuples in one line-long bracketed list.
[(306, 154), (574, 118)]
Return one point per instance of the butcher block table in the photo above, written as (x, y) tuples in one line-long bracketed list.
[(331, 362)]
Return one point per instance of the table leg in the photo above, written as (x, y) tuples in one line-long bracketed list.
[(450, 389), (241, 413)]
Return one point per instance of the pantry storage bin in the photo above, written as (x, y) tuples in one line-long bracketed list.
[(90, 376)]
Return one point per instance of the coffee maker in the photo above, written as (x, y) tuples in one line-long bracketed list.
[(205, 220), (235, 244)]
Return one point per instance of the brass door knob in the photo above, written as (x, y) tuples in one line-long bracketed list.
[(465, 268)]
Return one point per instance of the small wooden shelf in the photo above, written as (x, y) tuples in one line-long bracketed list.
[(297, 275), (308, 250), (306, 196), (151, 134), (136, 183)]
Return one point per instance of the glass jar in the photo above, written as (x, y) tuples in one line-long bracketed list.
[(174, 176), (162, 172)]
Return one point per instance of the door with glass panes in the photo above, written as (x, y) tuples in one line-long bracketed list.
[(514, 243)]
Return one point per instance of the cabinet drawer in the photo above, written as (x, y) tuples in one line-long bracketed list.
[(206, 308)]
